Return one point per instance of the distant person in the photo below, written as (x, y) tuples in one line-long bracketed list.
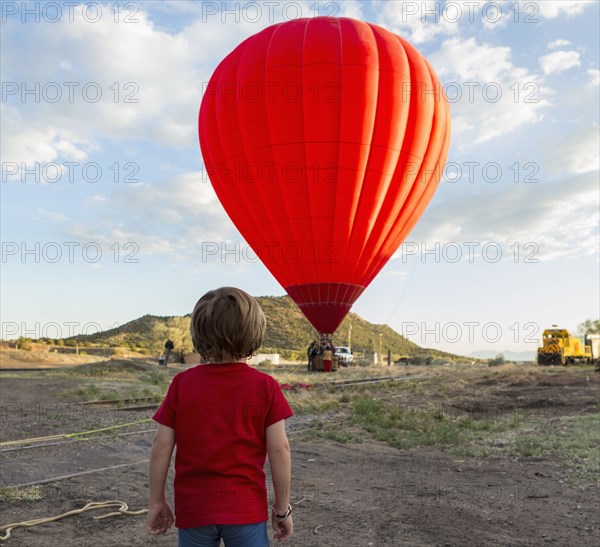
[(311, 353), (169, 347), (226, 417), (327, 359), (161, 361)]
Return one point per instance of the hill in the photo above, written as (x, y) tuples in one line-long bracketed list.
[(288, 332), (287, 328)]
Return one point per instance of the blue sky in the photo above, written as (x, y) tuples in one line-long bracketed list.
[(107, 213)]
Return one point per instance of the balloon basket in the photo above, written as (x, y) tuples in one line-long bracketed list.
[(319, 366)]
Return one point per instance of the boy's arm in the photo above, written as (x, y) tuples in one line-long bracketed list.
[(160, 516), (280, 461), (278, 449), (160, 459)]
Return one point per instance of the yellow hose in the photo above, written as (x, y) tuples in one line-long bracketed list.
[(123, 509), (69, 435)]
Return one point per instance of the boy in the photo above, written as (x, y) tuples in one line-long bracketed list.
[(225, 417)]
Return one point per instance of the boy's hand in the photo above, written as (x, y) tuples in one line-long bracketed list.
[(160, 518), (283, 528)]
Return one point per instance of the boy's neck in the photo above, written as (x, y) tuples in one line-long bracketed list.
[(229, 362)]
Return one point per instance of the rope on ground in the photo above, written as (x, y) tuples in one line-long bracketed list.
[(123, 509), (70, 435), (76, 440), (79, 474)]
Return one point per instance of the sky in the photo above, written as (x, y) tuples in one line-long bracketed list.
[(108, 213)]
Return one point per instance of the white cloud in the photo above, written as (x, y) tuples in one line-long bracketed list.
[(468, 60), (576, 152), (559, 61), (490, 104), (175, 217), (151, 84), (69, 151), (28, 140), (350, 8), (594, 75), (558, 218), (496, 15), (553, 8), (416, 21), (50, 217), (151, 81), (177, 6), (558, 43)]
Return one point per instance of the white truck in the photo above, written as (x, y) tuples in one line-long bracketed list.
[(344, 355), (593, 340)]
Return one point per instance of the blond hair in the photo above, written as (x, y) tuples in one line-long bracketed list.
[(227, 324)]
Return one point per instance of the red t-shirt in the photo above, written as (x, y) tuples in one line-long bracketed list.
[(220, 413)]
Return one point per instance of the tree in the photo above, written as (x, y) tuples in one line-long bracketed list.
[(24, 343), (176, 329), (496, 361), (589, 326)]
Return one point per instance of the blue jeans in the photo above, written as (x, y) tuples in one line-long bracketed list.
[(234, 535)]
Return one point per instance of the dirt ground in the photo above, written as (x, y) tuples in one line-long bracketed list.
[(39, 359), (345, 494)]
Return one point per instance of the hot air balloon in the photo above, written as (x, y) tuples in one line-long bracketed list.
[(324, 139)]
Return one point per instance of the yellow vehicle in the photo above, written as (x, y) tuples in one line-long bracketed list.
[(560, 347)]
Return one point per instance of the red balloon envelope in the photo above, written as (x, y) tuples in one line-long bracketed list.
[(325, 140)]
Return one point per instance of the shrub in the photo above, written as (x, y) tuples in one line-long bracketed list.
[(421, 360), (24, 343), (497, 361)]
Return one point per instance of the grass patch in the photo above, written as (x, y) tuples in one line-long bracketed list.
[(574, 440), (148, 391), (330, 401), (427, 425), (109, 395), (90, 392), (10, 494), (305, 403), (159, 377)]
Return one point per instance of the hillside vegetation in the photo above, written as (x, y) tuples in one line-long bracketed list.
[(288, 332), (287, 328)]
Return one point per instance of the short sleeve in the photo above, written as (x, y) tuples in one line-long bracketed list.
[(167, 411), (280, 408)]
